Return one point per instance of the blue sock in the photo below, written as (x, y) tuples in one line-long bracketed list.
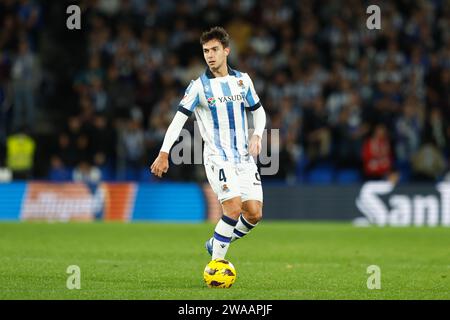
[(242, 228)]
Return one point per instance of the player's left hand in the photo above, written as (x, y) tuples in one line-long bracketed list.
[(254, 146)]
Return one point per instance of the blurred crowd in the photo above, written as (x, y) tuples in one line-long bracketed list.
[(351, 103)]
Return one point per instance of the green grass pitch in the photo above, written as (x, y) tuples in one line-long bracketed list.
[(278, 260)]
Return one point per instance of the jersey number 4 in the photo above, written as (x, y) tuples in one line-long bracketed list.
[(222, 176)]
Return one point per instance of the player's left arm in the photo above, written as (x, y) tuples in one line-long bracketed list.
[(259, 118), (259, 121)]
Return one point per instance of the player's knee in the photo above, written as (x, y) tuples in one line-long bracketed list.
[(233, 213), (253, 215), (232, 209)]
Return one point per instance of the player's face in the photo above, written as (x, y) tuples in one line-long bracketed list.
[(215, 54)]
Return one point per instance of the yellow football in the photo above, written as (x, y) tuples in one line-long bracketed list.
[(219, 273)]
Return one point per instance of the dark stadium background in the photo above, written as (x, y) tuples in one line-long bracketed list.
[(352, 105), (325, 81)]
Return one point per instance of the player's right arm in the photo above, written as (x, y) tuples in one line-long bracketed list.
[(185, 109), (161, 163)]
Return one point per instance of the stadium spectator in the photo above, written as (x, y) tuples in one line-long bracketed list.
[(408, 130), (83, 149), (428, 164), (131, 149), (348, 134), (87, 173), (85, 78), (377, 156), (25, 76), (62, 159), (120, 94), (437, 130), (316, 133), (20, 154), (29, 14), (103, 139)]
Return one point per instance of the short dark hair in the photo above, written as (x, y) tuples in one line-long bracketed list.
[(216, 33)]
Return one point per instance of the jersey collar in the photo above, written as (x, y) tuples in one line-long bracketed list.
[(210, 75)]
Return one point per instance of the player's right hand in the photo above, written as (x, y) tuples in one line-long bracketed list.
[(160, 165)]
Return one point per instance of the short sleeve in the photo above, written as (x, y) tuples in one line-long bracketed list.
[(251, 96), (190, 100)]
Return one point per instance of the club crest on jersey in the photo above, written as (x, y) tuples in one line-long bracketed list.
[(240, 83), (211, 102), (225, 188)]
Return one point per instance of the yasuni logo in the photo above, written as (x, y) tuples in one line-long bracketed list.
[(236, 97)]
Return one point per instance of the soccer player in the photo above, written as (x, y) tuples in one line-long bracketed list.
[(218, 98)]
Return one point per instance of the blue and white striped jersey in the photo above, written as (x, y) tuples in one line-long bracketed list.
[(219, 106)]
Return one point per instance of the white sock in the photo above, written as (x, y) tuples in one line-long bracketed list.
[(243, 227), (222, 237)]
